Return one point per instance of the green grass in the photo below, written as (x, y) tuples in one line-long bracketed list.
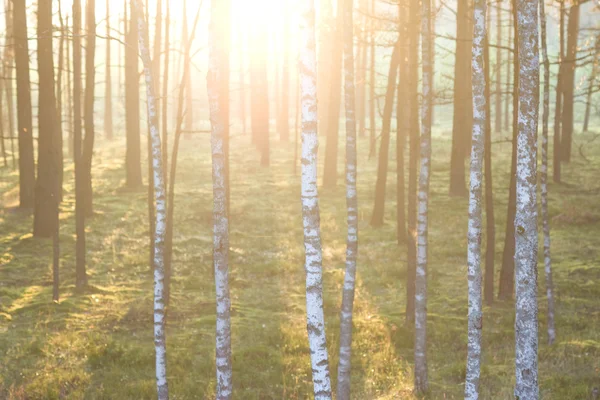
[(100, 345)]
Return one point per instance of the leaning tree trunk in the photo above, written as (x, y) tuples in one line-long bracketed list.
[(480, 118), (159, 196), (310, 209), (421, 381), (544, 179), (343, 383), (384, 150), (24, 118), (526, 231), (47, 185)]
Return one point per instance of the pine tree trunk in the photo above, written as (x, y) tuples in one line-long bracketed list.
[(24, 117), (480, 121), (402, 127), (509, 65), (526, 237), (133, 164), (7, 73), (47, 185), (559, 96), (69, 95), (90, 85), (159, 194), (108, 115), (568, 84), (544, 179), (498, 71), (379, 205), (310, 208), (372, 84), (344, 367)]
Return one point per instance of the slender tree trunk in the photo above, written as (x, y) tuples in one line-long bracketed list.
[(402, 126), (108, 115), (421, 381), (507, 279), (361, 69), (47, 185), (344, 367), (498, 71), (592, 79), (310, 208), (7, 73), (379, 206), (80, 270), (480, 122), (544, 178), (189, 104), (326, 35), (333, 116), (463, 113), (568, 83), (165, 93), (218, 72), (90, 85), (509, 65), (159, 194), (24, 118), (413, 98), (559, 96), (526, 238), (372, 84), (59, 106), (2, 135), (70, 106), (133, 164)]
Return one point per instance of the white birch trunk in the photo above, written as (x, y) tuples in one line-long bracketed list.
[(315, 318), (475, 315), (216, 69), (421, 382), (526, 234), (544, 180), (159, 197), (344, 367)]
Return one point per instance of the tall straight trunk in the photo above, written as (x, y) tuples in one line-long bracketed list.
[(509, 65), (156, 75), (480, 122), (421, 380), (379, 205), (498, 69), (333, 116), (189, 104), (556, 165), (544, 178), (361, 69), (592, 79), (402, 126), (372, 83), (80, 270), (165, 94), (7, 73), (2, 134), (326, 33), (463, 113), (108, 115), (159, 197), (284, 109), (490, 233), (507, 279), (47, 185), (315, 319), (217, 78), (526, 238), (568, 84), (90, 85), (69, 95), (343, 383), (413, 157), (133, 164), (59, 102), (24, 117)]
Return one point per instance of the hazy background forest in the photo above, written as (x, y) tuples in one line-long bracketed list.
[(98, 243)]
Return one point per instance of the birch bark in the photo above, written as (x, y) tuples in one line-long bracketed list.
[(544, 179), (421, 383), (475, 203), (526, 235), (217, 70), (344, 367), (159, 197), (315, 320)]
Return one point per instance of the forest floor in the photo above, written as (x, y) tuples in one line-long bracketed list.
[(100, 345)]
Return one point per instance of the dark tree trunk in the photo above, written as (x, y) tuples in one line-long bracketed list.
[(332, 120), (507, 279), (463, 111), (382, 168), (132, 104), (568, 84), (47, 185), (24, 118)]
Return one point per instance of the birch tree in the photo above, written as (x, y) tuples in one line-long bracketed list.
[(423, 200), (475, 202), (159, 198), (544, 178), (343, 383), (526, 235), (218, 70), (315, 318)]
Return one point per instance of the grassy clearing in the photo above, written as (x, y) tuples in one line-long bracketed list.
[(99, 345)]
